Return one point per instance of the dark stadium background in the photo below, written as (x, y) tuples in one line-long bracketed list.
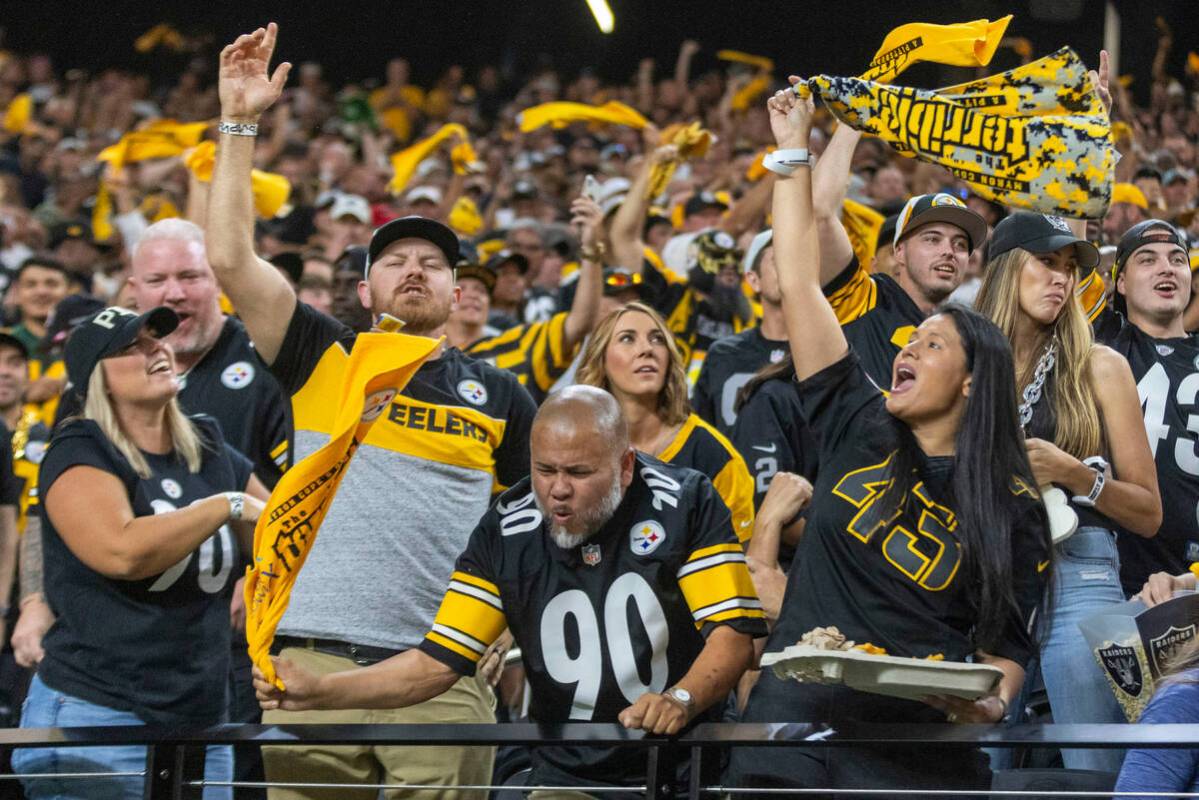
[(353, 40)]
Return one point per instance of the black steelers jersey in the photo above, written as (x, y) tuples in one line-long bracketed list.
[(600, 624), (29, 442), (876, 314), (535, 352), (899, 584), (1167, 376), (729, 365), (772, 436)]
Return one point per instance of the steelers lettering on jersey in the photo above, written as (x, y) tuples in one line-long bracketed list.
[(435, 419)]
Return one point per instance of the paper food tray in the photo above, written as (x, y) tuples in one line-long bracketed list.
[(909, 678)]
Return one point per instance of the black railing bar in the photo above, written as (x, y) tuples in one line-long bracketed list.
[(397, 786), (70, 776), (946, 792), (1120, 736)]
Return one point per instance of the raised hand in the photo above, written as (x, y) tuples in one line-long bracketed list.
[(588, 219), (246, 87), (1101, 80), (790, 117)]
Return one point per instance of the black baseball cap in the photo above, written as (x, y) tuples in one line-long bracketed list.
[(941, 207), (291, 263), (108, 332), (507, 257), (412, 227), (1151, 231), (702, 202), (73, 229), (1039, 233), (71, 312), (8, 340)]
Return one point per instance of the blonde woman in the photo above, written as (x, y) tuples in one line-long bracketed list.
[(633, 355), (1081, 414), (138, 503)]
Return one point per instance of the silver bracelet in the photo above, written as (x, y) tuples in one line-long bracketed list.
[(237, 503), (238, 128)]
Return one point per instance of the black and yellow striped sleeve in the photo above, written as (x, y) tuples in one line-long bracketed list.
[(536, 353), (471, 617), (716, 583), (1092, 295), (852, 293)]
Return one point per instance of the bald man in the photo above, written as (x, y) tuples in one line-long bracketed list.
[(565, 558)]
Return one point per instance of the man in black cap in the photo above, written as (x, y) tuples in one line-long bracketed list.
[(511, 270), (423, 475), (934, 236), (1144, 323)]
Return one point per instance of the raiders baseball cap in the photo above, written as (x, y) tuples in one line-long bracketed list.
[(1151, 231), (1039, 233), (107, 333), (412, 227), (941, 207)]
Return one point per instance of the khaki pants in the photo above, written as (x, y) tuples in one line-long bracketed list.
[(468, 700)]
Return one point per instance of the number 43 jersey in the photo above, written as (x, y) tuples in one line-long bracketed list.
[(1167, 376), (600, 624)]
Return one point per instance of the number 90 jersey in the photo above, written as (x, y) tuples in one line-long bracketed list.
[(600, 624)]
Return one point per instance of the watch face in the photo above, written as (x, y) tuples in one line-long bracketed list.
[(682, 694)]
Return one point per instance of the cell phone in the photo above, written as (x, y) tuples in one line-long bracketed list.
[(592, 188)]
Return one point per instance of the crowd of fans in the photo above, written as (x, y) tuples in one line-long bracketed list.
[(568, 261)]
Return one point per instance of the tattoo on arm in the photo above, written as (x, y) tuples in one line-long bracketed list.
[(31, 557)]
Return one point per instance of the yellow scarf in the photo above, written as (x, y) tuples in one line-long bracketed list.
[(1006, 141), (862, 223), (161, 35), (761, 62), (965, 44), (561, 114), (405, 162), (380, 365), (161, 139), (270, 189)]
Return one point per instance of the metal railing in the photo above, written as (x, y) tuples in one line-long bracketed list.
[(174, 771)]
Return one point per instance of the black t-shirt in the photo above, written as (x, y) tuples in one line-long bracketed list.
[(1167, 376), (876, 314), (729, 365), (600, 624), (772, 436), (11, 486), (233, 385), (158, 647), (900, 587)]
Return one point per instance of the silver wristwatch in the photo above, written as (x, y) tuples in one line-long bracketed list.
[(682, 697)]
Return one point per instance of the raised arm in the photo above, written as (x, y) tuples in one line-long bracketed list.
[(830, 182), (629, 219), (584, 310), (263, 298), (816, 337)]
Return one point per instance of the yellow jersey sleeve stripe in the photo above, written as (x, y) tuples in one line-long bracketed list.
[(474, 580), (461, 637), (736, 613), (471, 617), (855, 298), (734, 604), (710, 590), (555, 335), (736, 488), (451, 645), (733, 547), (1092, 295), (699, 565), (540, 357), (279, 449)]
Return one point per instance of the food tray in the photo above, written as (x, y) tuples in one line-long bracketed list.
[(909, 678)]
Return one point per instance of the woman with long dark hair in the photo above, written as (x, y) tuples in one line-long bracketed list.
[(1082, 414), (925, 531)]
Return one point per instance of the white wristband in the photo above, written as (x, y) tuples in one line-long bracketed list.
[(1099, 465), (237, 503), (785, 162), (238, 128)]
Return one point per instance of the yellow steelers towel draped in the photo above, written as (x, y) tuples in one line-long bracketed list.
[(1035, 137), (380, 365), (405, 162), (963, 44)]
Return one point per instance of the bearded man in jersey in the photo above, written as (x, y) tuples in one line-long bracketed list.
[(565, 558), (1144, 323)]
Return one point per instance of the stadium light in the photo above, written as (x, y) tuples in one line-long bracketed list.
[(603, 14)]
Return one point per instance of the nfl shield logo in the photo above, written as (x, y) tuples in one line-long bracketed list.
[(591, 554), (1122, 665)]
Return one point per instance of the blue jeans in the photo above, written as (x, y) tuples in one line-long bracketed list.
[(46, 708), (1086, 579)]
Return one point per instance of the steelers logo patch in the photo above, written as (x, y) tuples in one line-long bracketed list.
[(943, 199), (722, 239), (172, 489), (645, 537), (375, 403), (238, 375), (472, 392)]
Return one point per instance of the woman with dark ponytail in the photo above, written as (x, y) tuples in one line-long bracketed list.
[(926, 535)]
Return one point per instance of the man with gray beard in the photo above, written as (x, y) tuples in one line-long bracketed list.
[(609, 567)]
